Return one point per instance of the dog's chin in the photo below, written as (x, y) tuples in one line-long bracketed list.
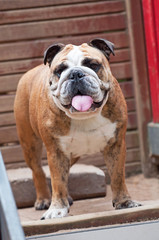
[(94, 109), (81, 115)]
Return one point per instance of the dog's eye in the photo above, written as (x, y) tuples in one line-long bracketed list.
[(95, 66), (58, 71)]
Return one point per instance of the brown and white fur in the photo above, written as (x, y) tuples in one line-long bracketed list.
[(44, 113)]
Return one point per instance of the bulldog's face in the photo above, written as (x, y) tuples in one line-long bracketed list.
[(80, 75)]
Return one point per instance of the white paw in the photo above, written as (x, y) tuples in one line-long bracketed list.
[(54, 212)]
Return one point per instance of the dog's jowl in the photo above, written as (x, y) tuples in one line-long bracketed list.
[(74, 105)]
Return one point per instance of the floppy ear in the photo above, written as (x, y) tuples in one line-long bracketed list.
[(51, 51), (103, 45)]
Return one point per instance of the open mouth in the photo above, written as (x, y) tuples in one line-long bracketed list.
[(84, 103)]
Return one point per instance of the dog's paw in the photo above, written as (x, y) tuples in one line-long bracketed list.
[(127, 204), (42, 204), (54, 212)]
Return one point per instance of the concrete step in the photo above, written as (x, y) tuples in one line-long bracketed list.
[(147, 212), (85, 181)]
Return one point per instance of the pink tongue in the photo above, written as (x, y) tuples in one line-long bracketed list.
[(82, 103)]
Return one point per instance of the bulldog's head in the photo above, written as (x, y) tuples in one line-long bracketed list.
[(80, 76)]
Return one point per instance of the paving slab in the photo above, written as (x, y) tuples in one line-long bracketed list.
[(85, 181)]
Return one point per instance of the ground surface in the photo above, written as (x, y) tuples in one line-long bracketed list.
[(140, 188)]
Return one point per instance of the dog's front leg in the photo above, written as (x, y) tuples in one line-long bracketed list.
[(115, 154), (59, 169)]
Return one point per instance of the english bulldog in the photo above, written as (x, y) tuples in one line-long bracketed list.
[(74, 105)]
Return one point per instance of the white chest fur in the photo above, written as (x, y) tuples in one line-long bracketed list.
[(87, 136)]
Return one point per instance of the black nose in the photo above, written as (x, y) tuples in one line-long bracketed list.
[(76, 74)]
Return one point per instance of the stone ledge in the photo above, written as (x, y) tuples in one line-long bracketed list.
[(89, 220), (85, 181)]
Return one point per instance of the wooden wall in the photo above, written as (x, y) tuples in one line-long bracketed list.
[(27, 28)]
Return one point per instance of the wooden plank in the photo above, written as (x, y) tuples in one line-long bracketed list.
[(57, 12), (130, 168), (133, 168), (121, 55), (14, 153), (16, 165), (8, 83), (132, 139), (30, 31), (8, 118), (132, 120), (127, 89), (7, 101), (131, 104), (132, 155), (19, 66), (121, 70), (29, 49), (9, 134), (24, 65), (8, 5)]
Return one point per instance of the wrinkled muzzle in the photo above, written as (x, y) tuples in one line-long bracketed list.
[(81, 91)]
